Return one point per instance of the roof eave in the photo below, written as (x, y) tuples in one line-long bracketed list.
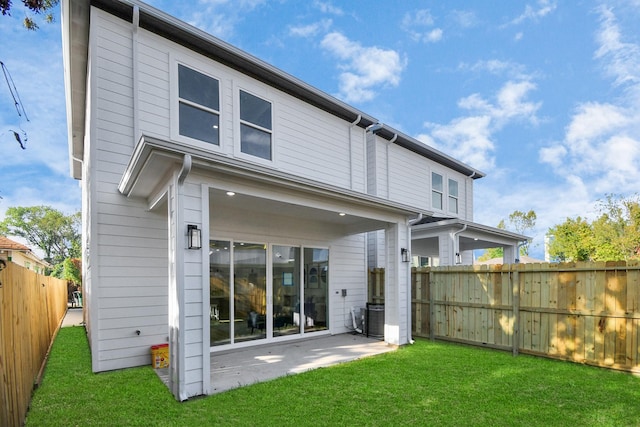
[(74, 17), (171, 28)]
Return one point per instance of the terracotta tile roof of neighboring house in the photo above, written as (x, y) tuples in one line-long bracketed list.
[(6, 243)]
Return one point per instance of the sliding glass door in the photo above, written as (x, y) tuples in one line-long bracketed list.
[(297, 286)]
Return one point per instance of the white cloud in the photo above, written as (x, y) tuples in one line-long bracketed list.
[(311, 29), (467, 138), (365, 70), (433, 35), (418, 24), (622, 59), (464, 18), (602, 140), (540, 10), (553, 155), (220, 17), (471, 138), (498, 67), (593, 120), (327, 7), (552, 205)]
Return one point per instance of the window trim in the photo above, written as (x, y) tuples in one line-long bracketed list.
[(261, 94), (175, 102), (440, 192), (450, 196)]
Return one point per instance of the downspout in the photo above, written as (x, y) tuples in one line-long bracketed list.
[(520, 244), (354, 123), (456, 244), (135, 83), (409, 319)]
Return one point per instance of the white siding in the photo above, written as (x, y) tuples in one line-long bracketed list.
[(308, 142), (312, 144), (408, 178), (129, 244), (347, 271), (193, 294)]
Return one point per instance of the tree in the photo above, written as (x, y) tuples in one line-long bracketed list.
[(572, 241), (520, 222), (36, 6), (613, 236), (56, 234)]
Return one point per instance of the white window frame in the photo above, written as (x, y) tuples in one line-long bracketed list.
[(451, 196), (208, 71), (440, 192), (255, 91)]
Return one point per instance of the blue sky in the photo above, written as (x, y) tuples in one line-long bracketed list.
[(542, 95)]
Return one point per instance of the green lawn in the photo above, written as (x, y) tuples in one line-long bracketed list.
[(423, 384)]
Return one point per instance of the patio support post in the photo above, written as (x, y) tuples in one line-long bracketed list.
[(177, 243), (397, 286)]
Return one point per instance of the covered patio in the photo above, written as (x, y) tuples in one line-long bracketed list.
[(245, 366)]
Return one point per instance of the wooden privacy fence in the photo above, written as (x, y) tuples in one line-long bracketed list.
[(31, 309), (582, 312)]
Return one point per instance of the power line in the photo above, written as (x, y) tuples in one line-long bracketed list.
[(17, 102)]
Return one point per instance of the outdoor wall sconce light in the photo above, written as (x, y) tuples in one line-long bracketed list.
[(404, 253), (458, 258), (193, 237)]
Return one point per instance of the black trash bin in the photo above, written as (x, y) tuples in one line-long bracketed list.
[(375, 320)]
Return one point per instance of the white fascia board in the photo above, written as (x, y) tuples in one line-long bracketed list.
[(149, 149)]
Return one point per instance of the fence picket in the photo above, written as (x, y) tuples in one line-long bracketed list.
[(582, 312), (31, 308)]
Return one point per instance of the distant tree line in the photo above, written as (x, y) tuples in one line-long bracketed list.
[(614, 235), (56, 234)]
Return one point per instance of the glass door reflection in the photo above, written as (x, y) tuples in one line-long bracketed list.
[(220, 291), (286, 289), (316, 289), (250, 291)]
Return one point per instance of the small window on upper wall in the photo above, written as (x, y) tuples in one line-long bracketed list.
[(453, 196), (255, 126), (199, 105), (436, 190)]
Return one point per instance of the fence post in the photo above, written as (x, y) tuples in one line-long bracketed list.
[(515, 286), (432, 310)]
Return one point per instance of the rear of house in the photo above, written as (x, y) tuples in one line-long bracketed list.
[(227, 204)]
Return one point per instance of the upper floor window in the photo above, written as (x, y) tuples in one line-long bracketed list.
[(437, 189), (453, 196), (255, 126), (199, 105)]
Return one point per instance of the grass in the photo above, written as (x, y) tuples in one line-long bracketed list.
[(424, 384)]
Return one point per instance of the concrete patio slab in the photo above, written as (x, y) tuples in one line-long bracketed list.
[(73, 317), (242, 367)]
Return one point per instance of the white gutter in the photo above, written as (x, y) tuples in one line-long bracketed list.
[(456, 243), (524, 242)]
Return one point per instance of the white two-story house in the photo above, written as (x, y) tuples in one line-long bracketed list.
[(228, 204)]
